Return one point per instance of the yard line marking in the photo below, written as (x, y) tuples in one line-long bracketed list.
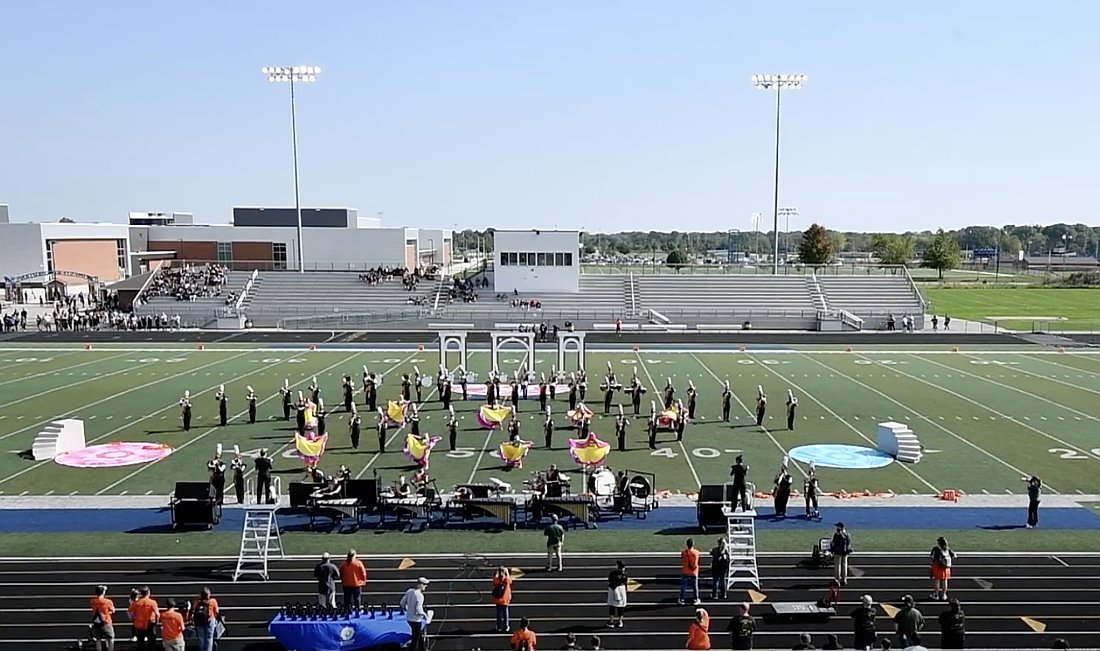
[(1079, 370), (211, 430), (67, 386), (857, 432), (683, 450), (59, 370), (1084, 451), (488, 437), (1033, 374), (74, 410), (1065, 564), (916, 413), (121, 427)]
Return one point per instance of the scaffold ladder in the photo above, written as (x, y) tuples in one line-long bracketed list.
[(741, 542), (259, 540)]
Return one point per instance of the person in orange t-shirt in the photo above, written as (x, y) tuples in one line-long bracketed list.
[(144, 613), (103, 620), (353, 576), (699, 631), (171, 628), (502, 597), (524, 639), (689, 572)]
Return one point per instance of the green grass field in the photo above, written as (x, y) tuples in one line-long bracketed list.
[(986, 418), (1020, 308)]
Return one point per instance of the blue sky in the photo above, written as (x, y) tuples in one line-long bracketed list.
[(599, 114)]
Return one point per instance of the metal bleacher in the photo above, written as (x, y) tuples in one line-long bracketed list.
[(281, 295), (733, 298), (872, 297), (197, 312)]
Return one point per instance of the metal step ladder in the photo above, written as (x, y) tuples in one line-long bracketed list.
[(741, 542), (260, 538)]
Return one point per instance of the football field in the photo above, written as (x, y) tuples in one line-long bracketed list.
[(986, 418)]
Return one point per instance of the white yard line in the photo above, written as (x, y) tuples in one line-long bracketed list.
[(771, 436), (210, 431), (1017, 369), (874, 444), (92, 378), (128, 423), (56, 370), (1063, 366), (120, 393), (683, 450), (1018, 471), (991, 410), (489, 435)]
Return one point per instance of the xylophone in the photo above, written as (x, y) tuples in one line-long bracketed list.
[(579, 508), (408, 508), (335, 509), (500, 508)]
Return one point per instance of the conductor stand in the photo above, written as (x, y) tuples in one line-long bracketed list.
[(260, 539), (741, 542)]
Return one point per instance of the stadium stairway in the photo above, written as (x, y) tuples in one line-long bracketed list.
[(872, 298)]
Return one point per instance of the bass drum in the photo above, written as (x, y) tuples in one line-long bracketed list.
[(425, 381), (602, 483)]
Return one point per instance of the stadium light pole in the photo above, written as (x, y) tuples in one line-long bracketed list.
[(293, 75), (778, 83), (788, 213)]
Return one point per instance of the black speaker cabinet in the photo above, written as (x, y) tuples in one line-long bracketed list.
[(364, 490), (300, 492), (194, 490), (194, 513), (713, 493)]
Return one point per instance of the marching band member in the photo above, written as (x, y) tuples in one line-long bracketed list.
[(419, 386), (406, 388), (355, 427), (515, 397), (220, 396), (420, 479), (414, 420), (264, 465), (681, 420), (349, 392), (284, 391), (367, 379), (440, 378), (381, 427), (401, 487), (582, 380), (692, 395), (463, 384), (636, 393), (217, 475), (251, 398), (761, 405), (542, 392), (370, 389), (781, 489), (652, 425), (315, 391), (548, 430), (320, 415), (792, 404), (553, 387), (670, 393), (811, 490), (572, 391), (300, 419), (238, 466), (727, 396), (610, 374), (445, 394), (620, 429), (513, 428), (491, 391), (452, 426), (185, 410), (608, 388)]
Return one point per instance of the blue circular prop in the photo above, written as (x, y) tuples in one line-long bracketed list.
[(849, 457)]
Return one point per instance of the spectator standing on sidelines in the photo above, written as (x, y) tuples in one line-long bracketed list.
[(943, 558), (689, 573), (953, 627), (326, 573), (171, 628), (741, 628), (524, 639), (841, 547), (699, 631), (502, 598), (719, 569), (144, 612), (555, 538), (103, 620), (863, 623), (204, 617), (353, 576), (412, 604)]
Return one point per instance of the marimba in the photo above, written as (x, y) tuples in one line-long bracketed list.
[(578, 508), (335, 509), (408, 508), (500, 508)]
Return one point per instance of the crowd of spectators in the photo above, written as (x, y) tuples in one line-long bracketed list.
[(188, 283)]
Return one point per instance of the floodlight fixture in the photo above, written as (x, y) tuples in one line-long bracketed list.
[(778, 83)]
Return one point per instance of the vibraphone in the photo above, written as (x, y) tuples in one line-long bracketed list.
[(577, 508), (408, 508), (503, 509), (478, 491), (335, 509)]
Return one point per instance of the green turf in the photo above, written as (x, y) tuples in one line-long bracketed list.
[(985, 418), (227, 543), (1062, 309)]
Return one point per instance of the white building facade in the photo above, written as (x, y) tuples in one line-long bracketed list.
[(536, 261)]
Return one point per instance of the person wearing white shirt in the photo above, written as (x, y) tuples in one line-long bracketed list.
[(412, 604)]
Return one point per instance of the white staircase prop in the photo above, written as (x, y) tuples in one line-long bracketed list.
[(59, 437), (741, 542), (898, 441), (259, 541)]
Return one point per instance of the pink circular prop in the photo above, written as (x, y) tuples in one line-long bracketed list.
[(114, 455)]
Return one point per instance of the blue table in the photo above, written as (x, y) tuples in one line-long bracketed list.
[(341, 633)]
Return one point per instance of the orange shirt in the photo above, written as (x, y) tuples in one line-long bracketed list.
[(524, 634), (698, 635), (143, 612), (171, 623), (105, 607), (353, 574), (211, 608), (507, 582), (689, 562)]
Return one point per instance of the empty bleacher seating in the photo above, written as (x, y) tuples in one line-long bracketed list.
[(874, 295), (733, 294)]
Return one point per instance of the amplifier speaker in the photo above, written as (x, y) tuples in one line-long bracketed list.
[(194, 490), (300, 492), (194, 513), (364, 490)]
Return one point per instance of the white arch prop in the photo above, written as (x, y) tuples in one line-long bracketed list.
[(570, 342)]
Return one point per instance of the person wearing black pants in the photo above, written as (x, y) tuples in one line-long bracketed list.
[(263, 478), (185, 410), (223, 409), (1034, 496), (726, 396), (251, 398), (792, 405), (782, 491), (238, 474), (355, 427), (761, 406), (740, 471), (285, 392)]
